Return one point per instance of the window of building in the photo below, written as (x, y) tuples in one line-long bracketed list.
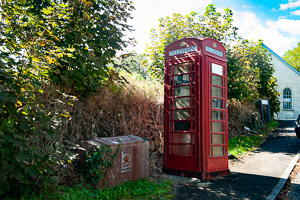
[(287, 99)]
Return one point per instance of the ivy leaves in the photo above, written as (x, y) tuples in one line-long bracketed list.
[(98, 162)]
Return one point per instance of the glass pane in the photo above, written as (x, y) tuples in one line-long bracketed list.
[(183, 150), (182, 138), (217, 115), (182, 102), (217, 103), (193, 78), (171, 126), (171, 103), (217, 92), (182, 126), (217, 69), (182, 91), (287, 105), (171, 80), (217, 80), (217, 138), (218, 151), (182, 114), (182, 79), (287, 93), (182, 68), (217, 127)]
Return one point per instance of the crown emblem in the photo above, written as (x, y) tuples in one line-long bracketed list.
[(214, 45), (182, 44)]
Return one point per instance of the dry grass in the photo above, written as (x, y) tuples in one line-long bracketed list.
[(134, 109), (240, 115)]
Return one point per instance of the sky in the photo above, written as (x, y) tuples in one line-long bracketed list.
[(276, 22)]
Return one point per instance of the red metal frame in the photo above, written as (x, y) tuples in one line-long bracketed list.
[(195, 157)]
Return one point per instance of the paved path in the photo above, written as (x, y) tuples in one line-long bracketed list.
[(254, 177)]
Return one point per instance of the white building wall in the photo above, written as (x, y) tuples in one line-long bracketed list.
[(287, 78)]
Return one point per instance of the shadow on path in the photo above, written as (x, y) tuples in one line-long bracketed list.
[(286, 142), (233, 186)]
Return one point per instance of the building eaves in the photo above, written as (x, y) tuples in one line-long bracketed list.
[(281, 59)]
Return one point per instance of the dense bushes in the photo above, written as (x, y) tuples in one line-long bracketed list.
[(69, 43), (47, 47), (135, 108)]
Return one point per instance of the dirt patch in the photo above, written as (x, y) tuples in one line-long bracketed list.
[(283, 195)]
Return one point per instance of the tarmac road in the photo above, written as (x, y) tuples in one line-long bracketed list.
[(254, 177)]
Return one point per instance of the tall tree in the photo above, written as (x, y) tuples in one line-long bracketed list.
[(293, 57), (250, 73), (69, 42), (212, 24)]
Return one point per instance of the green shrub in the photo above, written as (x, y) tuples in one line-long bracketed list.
[(241, 144)]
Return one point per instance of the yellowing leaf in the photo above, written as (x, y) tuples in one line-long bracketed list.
[(60, 55), (42, 43), (19, 103), (46, 11)]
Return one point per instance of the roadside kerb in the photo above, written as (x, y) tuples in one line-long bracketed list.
[(284, 177)]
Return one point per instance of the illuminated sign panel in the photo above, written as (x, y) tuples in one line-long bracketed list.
[(183, 51), (214, 51)]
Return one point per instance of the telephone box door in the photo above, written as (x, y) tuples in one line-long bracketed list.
[(180, 125), (217, 115)]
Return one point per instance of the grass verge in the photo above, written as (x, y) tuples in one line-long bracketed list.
[(142, 189), (240, 145)]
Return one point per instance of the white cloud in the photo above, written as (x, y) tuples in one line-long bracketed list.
[(279, 35), (292, 27), (148, 13), (291, 4), (296, 12)]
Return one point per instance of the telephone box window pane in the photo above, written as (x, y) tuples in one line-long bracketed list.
[(182, 79), (217, 69), (217, 151), (217, 115), (182, 102), (171, 80), (193, 78), (182, 114), (217, 92), (182, 91), (182, 125), (217, 127), (217, 138), (217, 80), (171, 103), (182, 68), (217, 103), (171, 126), (182, 150), (182, 138)]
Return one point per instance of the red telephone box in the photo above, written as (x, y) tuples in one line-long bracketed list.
[(195, 108)]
